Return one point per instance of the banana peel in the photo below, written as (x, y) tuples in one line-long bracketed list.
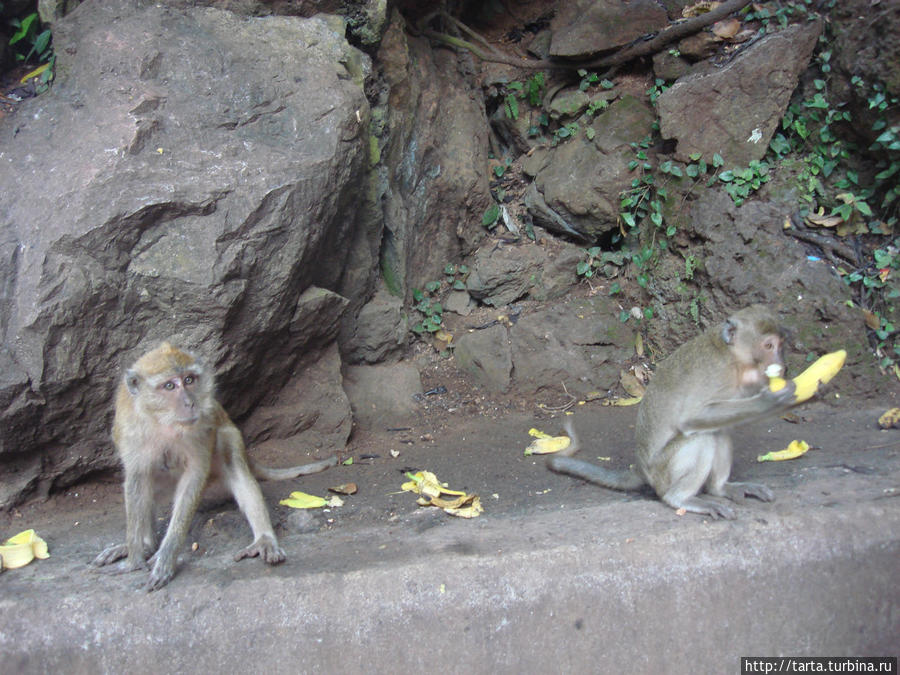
[(545, 444), (889, 419), (302, 500), (808, 382), (792, 451), (434, 493), (21, 549)]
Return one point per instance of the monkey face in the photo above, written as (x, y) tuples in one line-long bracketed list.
[(179, 396)]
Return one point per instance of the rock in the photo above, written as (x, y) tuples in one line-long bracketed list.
[(379, 331), (311, 413), (502, 274), (584, 27), (459, 302), (485, 354), (741, 103), (174, 185), (382, 396), (577, 183), (577, 347), (667, 66), (301, 521), (431, 180)]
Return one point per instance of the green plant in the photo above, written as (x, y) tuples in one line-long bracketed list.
[(564, 132), (599, 261), (431, 310), (491, 216), (515, 91), (455, 276), (28, 34), (740, 183)]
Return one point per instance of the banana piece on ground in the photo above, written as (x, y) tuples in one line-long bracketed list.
[(820, 372)]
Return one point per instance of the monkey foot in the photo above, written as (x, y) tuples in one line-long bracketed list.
[(738, 491), (266, 547), (159, 576), (705, 506), (110, 555)]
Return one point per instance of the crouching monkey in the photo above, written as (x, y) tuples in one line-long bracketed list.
[(168, 420)]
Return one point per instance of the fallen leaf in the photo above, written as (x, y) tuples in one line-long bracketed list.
[(345, 489), (872, 321), (824, 221), (726, 29), (634, 400)]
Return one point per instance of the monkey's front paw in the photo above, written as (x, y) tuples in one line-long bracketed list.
[(266, 547), (784, 396)]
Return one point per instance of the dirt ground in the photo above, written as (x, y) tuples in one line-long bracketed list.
[(473, 442)]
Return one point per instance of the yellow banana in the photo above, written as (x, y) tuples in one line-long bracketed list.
[(795, 449), (21, 549), (809, 380)]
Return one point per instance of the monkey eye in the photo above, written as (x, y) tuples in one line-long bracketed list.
[(169, 386), (189, 379)]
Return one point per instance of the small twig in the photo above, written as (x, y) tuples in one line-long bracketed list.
[(827, 244), (670, 34)]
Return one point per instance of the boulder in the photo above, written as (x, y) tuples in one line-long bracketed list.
[(734, 110), (176, 184)]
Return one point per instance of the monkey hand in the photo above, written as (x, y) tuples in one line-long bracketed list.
[(807, 383), (782, 398), (266, 547)]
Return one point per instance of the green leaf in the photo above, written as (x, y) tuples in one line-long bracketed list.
[(23, 28), (491, 216)]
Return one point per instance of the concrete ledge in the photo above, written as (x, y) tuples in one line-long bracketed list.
[(574, 591)]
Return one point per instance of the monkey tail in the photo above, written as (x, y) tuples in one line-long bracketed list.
[(563, 462), (263, 472), (610, 478)]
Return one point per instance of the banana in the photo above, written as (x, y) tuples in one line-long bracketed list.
[(809, 380), (21, 549), (792, 451)]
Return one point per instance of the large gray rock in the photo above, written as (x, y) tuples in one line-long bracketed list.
[(585, 27), (175, 184), (432, 141), (577, 183), (384, 395), (734, 110)]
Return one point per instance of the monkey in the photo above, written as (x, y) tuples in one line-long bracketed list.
[(711, 383), (167, 420)]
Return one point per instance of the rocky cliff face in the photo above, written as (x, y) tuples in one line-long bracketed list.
[(259, 190)]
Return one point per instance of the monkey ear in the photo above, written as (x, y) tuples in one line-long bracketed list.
[(132, 381), (729, 328)]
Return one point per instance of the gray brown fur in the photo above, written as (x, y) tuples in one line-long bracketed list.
[(167, 421), (707, 386)]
